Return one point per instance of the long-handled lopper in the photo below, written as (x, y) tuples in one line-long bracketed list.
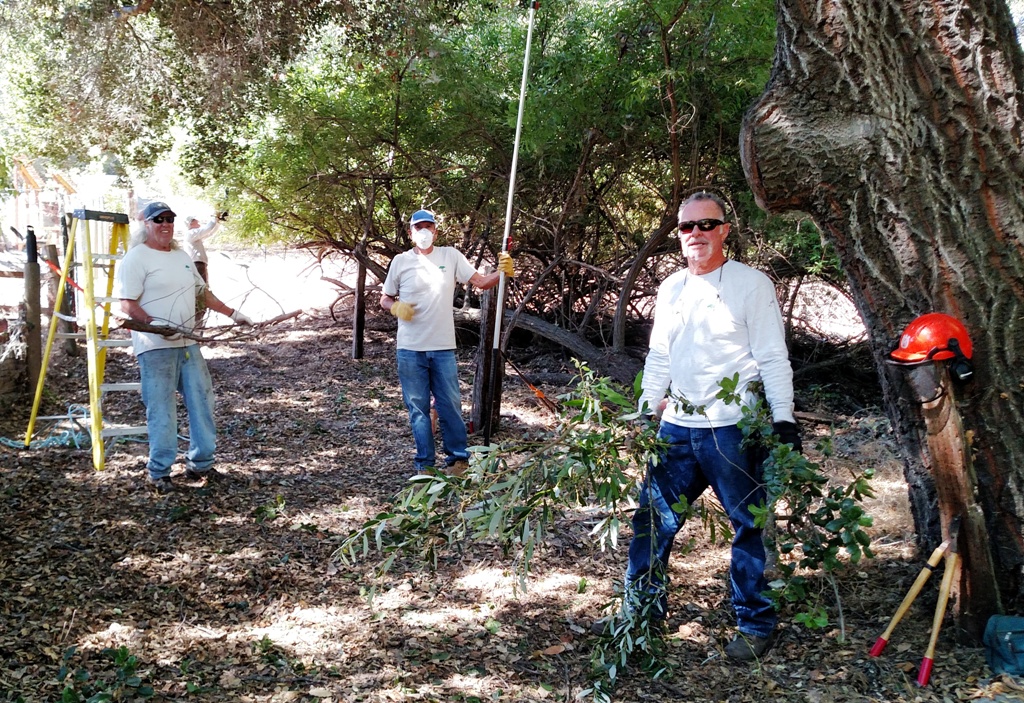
[(496, 365), (952, 562), (948, 549)]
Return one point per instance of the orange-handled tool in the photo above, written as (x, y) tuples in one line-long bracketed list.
[(940, 612), (922, 578)]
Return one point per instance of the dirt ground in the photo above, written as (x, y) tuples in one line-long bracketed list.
[(229, 592)]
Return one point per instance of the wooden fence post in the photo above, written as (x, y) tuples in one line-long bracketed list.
[(359, 313), (33, 335), (482, 400)]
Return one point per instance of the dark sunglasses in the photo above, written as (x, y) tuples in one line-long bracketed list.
[(705, 225), (160, 219)]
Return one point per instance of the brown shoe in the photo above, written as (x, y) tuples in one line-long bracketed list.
[(745, 648), (458, 468), (208, 475), (161, 485)]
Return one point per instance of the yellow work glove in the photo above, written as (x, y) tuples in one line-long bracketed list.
[(403, 311), (505, 264)]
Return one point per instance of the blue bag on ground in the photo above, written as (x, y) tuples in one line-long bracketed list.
[(1004, 644)]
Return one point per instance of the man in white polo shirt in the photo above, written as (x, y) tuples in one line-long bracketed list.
[(419, 290)]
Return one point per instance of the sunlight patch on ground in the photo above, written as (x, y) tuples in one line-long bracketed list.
[(442, 617), (303, 630), (303, 335), (486, 580), (223, 351), (704, 559), (114, 635), (533, 417), (555, 584), (231, 520)]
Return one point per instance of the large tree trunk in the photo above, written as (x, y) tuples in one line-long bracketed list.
[(898, 128)]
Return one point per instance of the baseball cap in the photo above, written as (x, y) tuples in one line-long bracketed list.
[(154, 209), (421, 216)]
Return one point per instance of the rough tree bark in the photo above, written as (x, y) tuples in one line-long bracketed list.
[(897, 127)]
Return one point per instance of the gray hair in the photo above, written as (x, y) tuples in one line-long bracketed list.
[(141, 234), (700, 196)]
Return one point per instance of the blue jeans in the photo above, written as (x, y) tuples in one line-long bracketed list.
[(163, 372), (693, 460), (433, 373)]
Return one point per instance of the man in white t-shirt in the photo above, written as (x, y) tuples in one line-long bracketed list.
[(158, 284), (713, 320), (419, 290)]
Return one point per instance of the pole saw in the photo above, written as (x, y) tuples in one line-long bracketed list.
[(496, 363)]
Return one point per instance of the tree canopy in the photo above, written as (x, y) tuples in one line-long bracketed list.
[(332, 122)]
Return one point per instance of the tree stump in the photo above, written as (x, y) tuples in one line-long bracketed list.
[(974, 595)]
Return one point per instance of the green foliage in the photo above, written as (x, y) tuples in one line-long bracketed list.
[(633, 637), (270, 511), (814, 519), (124, 684), (514, 494), (329, 123)]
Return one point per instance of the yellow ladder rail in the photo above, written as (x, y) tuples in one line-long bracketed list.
[(97, 329)]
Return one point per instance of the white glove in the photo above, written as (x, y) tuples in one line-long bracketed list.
[(241, 318)]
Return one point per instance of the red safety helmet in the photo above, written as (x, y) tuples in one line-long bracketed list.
[(934, 336)]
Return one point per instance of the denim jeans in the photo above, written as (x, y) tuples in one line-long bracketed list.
[(163, 372), (693, 460), (426, 374)]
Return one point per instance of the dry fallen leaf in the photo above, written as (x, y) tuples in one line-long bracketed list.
[(229, 680)]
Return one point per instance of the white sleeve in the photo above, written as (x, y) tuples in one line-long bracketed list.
[(130, 278), (768, 347), (392, 279), (657, 370), (463, 269), (205, 232)]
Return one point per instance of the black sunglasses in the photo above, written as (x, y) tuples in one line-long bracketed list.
[(705, 225), (160, 219)]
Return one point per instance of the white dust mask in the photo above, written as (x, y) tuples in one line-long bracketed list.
[(423, 238)]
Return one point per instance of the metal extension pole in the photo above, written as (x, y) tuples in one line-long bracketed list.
[(496, 347)]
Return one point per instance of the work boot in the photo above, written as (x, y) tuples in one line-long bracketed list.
[(457, 468), (745, 648), (161, 485), (209, 475)]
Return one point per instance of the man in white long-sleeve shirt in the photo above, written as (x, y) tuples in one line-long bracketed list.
[(712, 320), (195, 238)]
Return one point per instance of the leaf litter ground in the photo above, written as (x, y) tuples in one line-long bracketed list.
[(228, 591)]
